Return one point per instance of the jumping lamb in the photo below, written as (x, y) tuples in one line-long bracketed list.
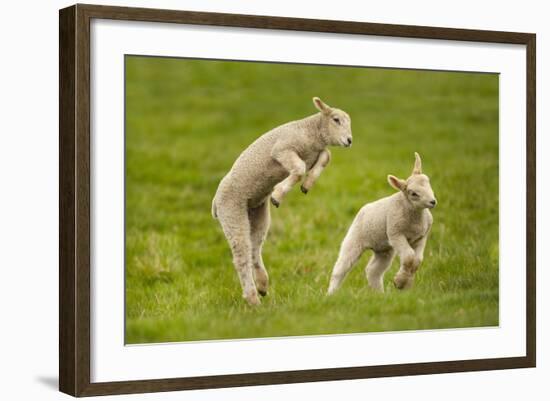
[(399, 223), (268, 169)]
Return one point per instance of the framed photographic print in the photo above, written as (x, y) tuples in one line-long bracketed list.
[(250, 200)]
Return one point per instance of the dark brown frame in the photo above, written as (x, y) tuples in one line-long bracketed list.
[(74, 199)]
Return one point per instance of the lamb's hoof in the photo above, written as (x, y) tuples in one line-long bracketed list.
[(304, 189), (379, 290), (399, 284), (253, 300), (275, 202), (402, 283), (263, 293)]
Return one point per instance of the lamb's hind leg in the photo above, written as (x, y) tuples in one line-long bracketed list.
[(350, 251), (377, 266), (260, 220), (236, 227)]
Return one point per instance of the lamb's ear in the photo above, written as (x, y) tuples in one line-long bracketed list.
[(322, 107), (417, 164), (397, 183)]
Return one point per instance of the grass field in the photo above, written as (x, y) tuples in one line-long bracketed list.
[(188, 120)]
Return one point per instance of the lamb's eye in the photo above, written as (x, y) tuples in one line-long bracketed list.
[(336, 120), (414, 194)]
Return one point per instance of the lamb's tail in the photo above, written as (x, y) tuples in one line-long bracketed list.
[(214, 212)]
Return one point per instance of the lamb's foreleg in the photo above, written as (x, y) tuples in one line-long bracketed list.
[(377, 266), (419, 247), (259, 226), (297, 170), (316, 170), (408, 259)]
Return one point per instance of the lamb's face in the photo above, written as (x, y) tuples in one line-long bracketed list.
[(336, 124), (419, 191), (339, 128), (417, 187)]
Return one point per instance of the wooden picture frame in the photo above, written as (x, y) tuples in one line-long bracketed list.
[(74, 199)]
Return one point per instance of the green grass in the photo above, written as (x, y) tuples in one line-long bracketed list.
[(188, 120)]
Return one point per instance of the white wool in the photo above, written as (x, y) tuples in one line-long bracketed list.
[(397, 224), (268, 169)]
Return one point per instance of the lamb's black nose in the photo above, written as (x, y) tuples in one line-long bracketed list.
[(433, 202), (349, 141)]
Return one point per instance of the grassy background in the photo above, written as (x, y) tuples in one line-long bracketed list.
[(188, 120)]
